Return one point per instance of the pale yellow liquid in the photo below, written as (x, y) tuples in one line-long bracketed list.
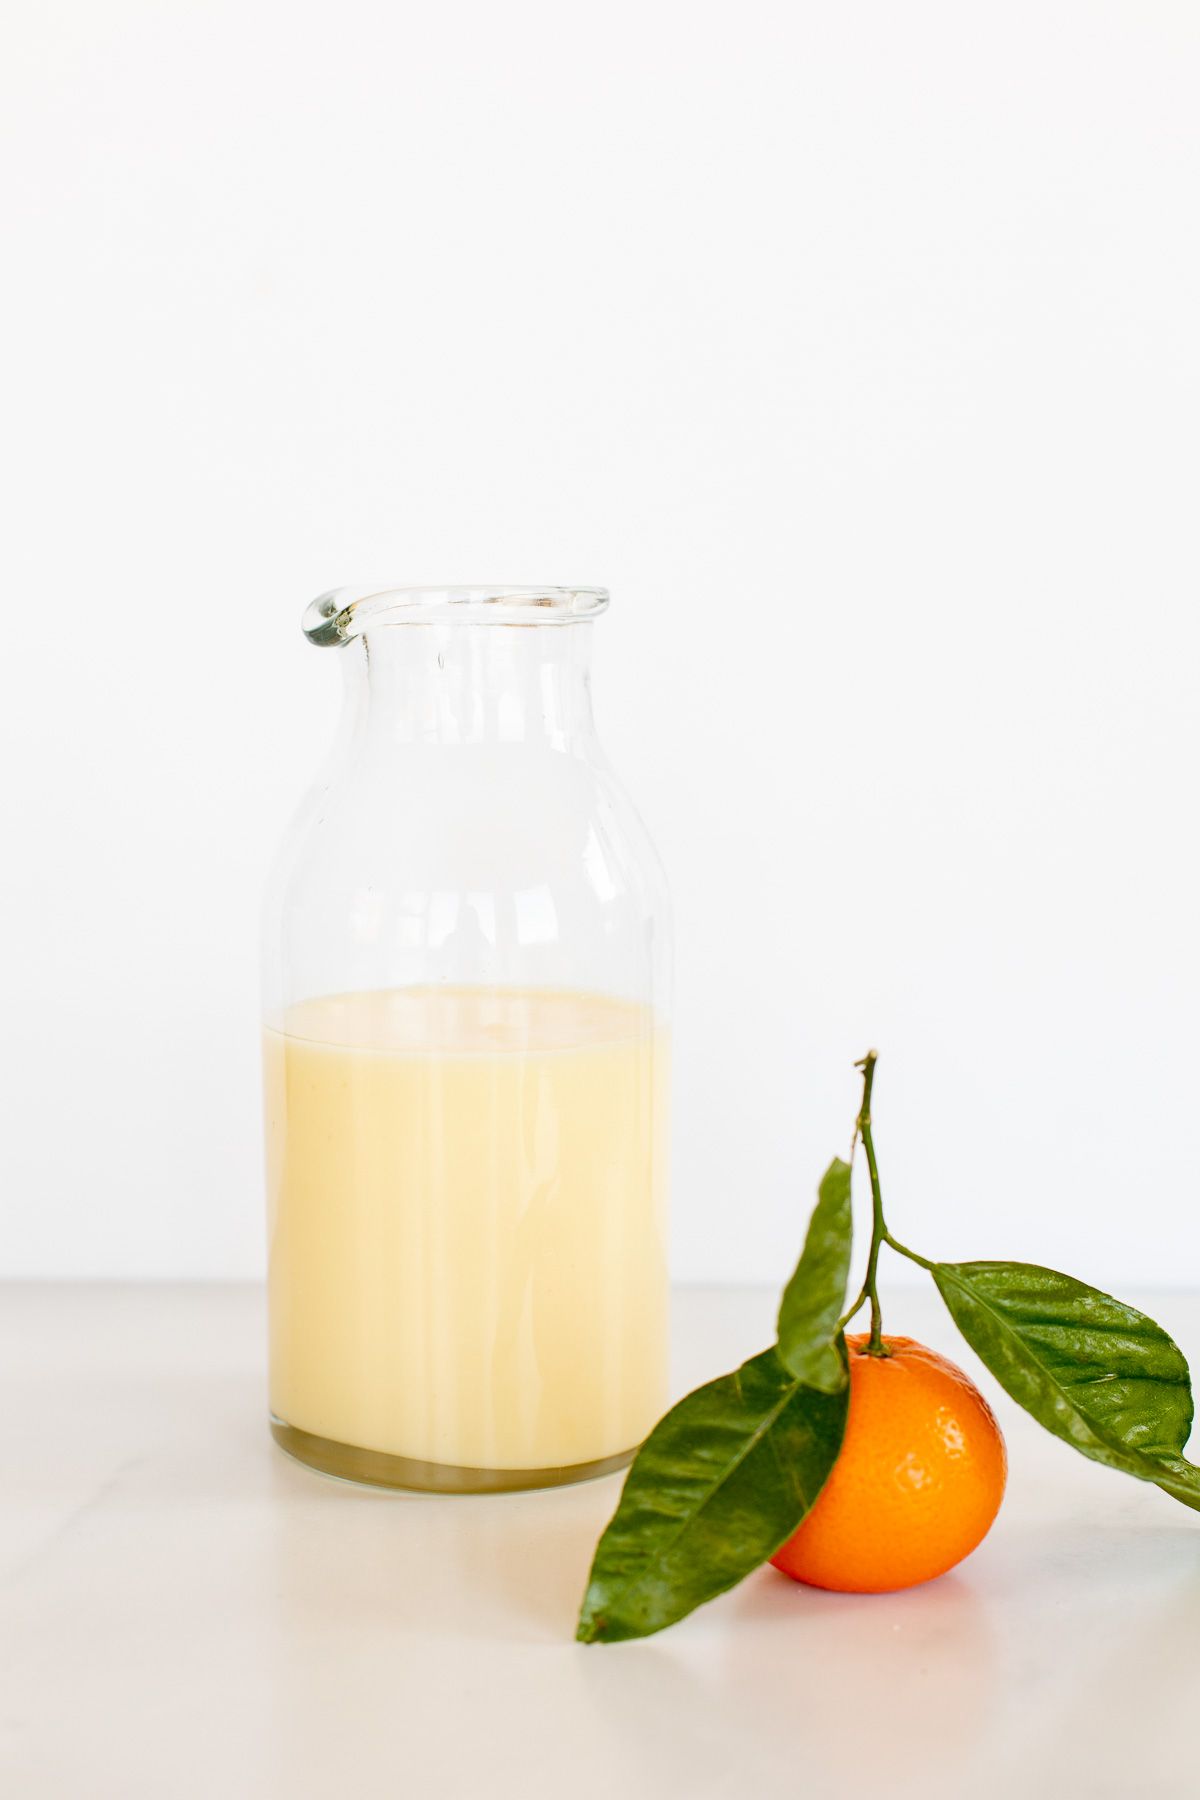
[(467, 1230)]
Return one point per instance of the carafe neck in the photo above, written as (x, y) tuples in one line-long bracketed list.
[(472, 684)]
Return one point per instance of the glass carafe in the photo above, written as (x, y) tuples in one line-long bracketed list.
[(466, 972)]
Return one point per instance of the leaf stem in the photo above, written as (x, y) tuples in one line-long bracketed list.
[(903, 1250), (859, 1303)]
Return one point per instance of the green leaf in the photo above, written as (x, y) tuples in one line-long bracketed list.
[(1095, 1372), (721, 1482), (814, 1297), (1177, 1477)]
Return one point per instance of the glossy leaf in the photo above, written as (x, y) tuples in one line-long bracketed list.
[(1095, 1372), (814, 1297), (721, 1482), (1176, 1476)]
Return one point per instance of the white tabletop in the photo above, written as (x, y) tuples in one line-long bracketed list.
[(185, 1612)]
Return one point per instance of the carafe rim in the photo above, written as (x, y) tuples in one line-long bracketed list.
[(346, 613)]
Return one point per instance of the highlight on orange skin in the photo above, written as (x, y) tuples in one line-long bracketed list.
[(918, 1482)]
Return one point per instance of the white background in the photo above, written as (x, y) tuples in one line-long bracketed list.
[(855, 347)]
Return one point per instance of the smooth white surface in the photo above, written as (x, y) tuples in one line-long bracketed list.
[(188, 1613), (854, 347)]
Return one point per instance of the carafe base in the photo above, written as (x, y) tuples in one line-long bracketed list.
[(374, 1468)]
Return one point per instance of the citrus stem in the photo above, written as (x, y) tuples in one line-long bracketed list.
[(880, 1234), (875, 1345)]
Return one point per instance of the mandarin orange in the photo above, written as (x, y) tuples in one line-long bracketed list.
[(918, 1482)]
